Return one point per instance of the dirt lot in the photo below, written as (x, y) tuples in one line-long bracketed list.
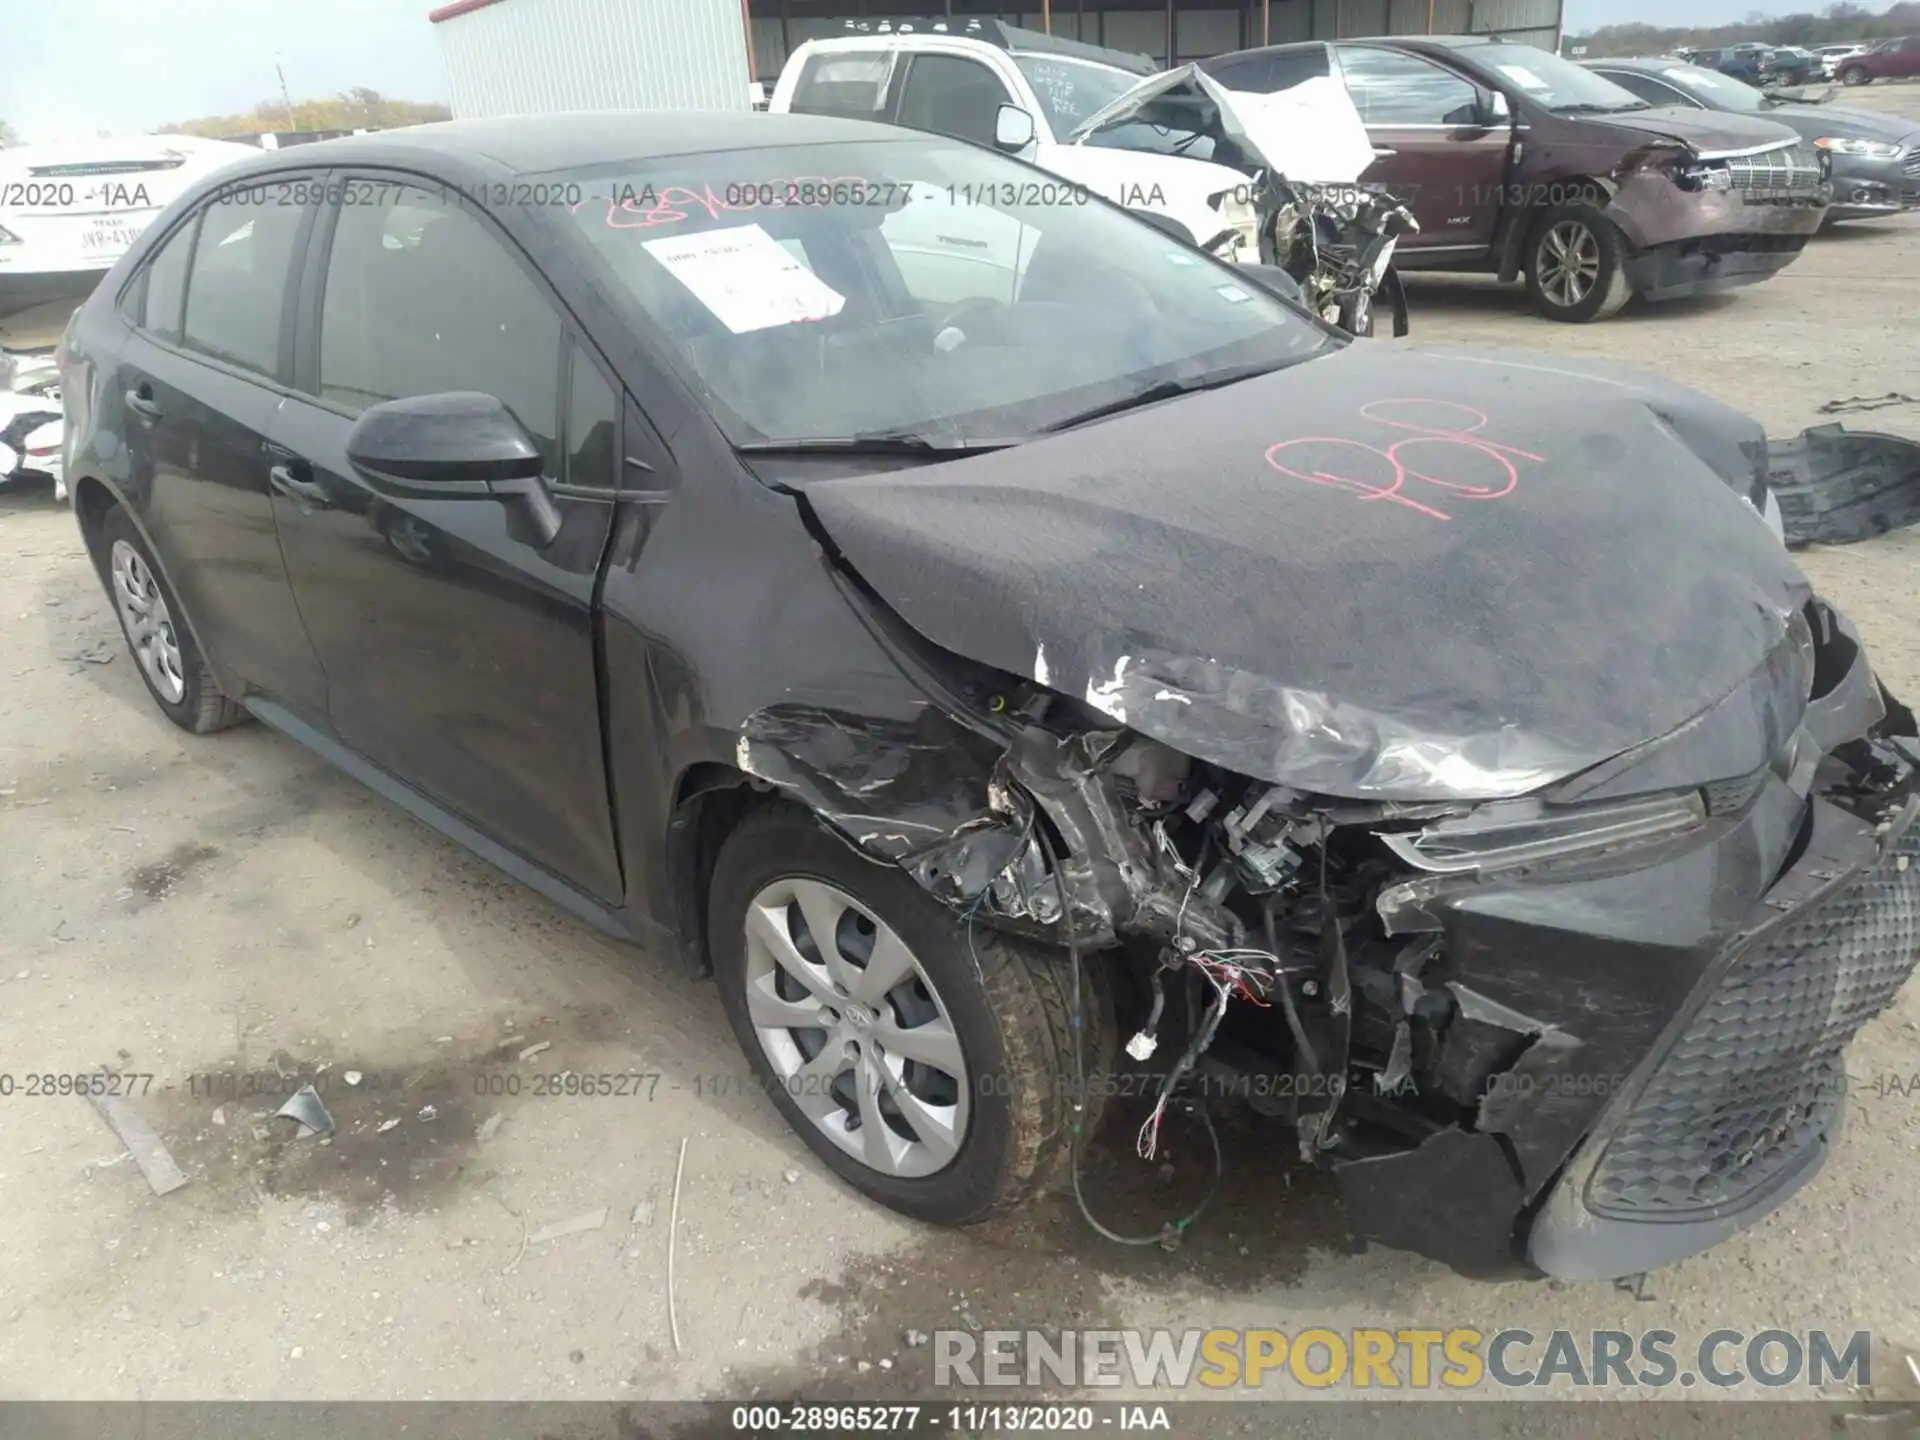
[(215, 912)]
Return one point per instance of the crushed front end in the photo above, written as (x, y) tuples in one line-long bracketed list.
[(1586, 1032)]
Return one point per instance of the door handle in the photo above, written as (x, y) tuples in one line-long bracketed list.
[(140, 400), (306, 492), (1380, 154)]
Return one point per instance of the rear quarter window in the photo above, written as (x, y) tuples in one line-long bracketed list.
[(852, 86)]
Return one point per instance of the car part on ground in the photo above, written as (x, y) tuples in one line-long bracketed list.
[(1483, 138), (1539, 895), (1836, 485), (32, 429)]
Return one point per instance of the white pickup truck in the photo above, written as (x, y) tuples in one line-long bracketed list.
[(1025, 93)]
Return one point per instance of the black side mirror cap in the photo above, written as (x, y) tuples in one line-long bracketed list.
[(460, 443)]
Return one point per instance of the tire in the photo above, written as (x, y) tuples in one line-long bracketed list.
[(1562, 239), (1008, 1002), (1855, 75), (158, 638)]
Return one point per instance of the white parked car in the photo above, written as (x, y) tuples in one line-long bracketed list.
[(1028, 94), (73, 207)]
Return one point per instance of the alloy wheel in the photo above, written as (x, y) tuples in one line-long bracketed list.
[(1568, 263), (149, 625), (854, 1029)]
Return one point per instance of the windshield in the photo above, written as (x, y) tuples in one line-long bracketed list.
[(1550, 81), (1071, 90), (920, 287), (1722, 92)]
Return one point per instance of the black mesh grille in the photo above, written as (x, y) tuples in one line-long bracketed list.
[(1759, 1074)]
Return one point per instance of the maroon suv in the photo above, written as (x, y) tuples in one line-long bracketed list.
[(1889, 60), (1517, 162)]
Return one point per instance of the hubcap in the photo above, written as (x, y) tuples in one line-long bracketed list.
[(855, 1031), (1569, 263), (149, 626)]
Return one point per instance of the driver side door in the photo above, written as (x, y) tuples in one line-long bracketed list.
[(1433, 147)]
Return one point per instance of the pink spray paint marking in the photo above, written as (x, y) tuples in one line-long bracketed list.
[(1374, 473)]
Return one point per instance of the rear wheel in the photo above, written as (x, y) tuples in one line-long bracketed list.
[(175, 672), (928, 1062), (1576, 265), (1855, 75)]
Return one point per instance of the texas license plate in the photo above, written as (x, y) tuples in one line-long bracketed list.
[(106, 237)]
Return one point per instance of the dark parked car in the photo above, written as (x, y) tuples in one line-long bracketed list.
[(1751, 62), (1889, 60), (1518, 162), (1434, 746), (1875, 157)]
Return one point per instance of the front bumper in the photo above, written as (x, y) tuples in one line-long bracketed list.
[(1745, 1099), (1700, 267), (1865, 188), (1657, 1054)]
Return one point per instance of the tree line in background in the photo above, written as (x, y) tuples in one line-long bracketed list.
[(358, 108), (1843, 22)]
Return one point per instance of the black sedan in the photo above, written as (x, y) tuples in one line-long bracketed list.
[(1875, 156), (974, 627)]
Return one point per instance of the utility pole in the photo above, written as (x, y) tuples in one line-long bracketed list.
[(285, 98)]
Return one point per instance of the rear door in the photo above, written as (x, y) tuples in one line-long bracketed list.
[(1436, 151), (200, 381), (460, 651)]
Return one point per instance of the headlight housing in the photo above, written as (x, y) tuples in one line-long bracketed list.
[(1506, 835), (1704, 175), (1845, 145)]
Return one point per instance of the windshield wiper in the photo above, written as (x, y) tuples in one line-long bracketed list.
[(887, 442), (1164, 390), (1587, 107)]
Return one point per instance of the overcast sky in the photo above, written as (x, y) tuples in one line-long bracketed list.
[(75, 67)]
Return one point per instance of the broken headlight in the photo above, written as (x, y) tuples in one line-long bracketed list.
[(1510, 834), (1706, 175)]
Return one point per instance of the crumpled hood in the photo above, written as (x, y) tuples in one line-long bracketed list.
[(1406, 573)]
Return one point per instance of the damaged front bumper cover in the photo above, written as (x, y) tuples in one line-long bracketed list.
[(1836, 485)]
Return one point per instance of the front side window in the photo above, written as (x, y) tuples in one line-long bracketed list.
[(423, 297), (912, 286), (237, 283), (1389, 88), (948, 95), (1721, 92), (1653, 91)]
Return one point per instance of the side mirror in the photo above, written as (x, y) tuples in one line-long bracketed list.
[(1013, 129), (460, 445), (1497, 109)]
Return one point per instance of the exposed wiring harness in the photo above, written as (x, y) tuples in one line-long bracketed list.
[(1170, 1233)]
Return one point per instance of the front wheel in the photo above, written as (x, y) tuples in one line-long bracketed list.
[(1576, 265), (928, 1061), (1855, 75)]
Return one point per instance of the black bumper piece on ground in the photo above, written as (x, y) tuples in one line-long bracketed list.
[(1696, 267)]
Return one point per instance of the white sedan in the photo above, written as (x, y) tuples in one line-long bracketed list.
[(72, 208)]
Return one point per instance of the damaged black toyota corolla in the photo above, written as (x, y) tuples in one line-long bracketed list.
[(980, 629)]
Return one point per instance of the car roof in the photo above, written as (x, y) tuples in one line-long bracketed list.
[(1404, 42), (1639, 62), (532, 144)]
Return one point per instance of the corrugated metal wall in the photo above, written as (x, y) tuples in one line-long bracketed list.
[(527, 57)]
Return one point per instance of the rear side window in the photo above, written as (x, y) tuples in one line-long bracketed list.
[(166, 285), (237, 284), (422, 297), (1266, 74), (1654, 92), (853, 86)]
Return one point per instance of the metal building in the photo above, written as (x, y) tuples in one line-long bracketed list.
[(1171, 31), (521, 57)]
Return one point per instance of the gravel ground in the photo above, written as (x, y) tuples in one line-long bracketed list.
[(217, 912)]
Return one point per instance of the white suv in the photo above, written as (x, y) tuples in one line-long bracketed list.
[(1027, 94)]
